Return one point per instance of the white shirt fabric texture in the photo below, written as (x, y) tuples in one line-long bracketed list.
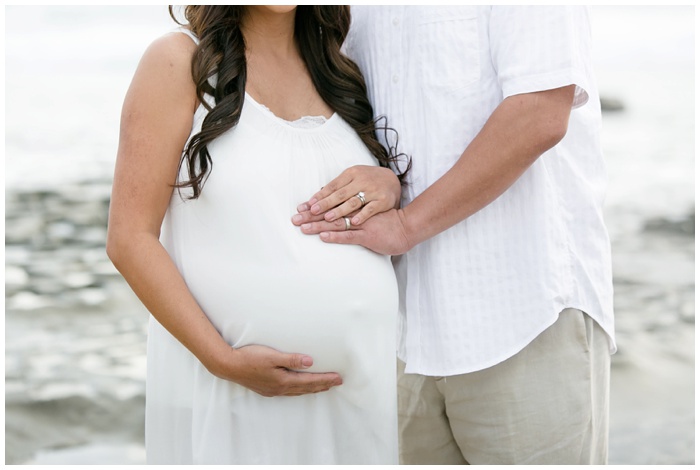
[(479, 292)]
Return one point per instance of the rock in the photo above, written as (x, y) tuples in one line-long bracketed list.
[(608, 104), (23, 229), (687, 311), (92, 236), (17, 255), (60, 230), (69, 421), (15, 278), (78, 280), (47, 286), (88, 213), (92, 296), (28, 301), (105, 269), (685, 226)]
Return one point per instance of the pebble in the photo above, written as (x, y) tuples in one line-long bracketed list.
[(48, 286), (92, 296), (15, 389), (687, 311), (15, 278), (77, 280), (28, 301), (56, 390), (92, 361), (92, 236), (60, 230), (22, 229), (16, 255), (47, 365)]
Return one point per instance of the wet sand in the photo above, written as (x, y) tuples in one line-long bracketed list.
[(75, 338)]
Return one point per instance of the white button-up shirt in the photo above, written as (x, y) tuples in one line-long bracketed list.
[(479, 292)]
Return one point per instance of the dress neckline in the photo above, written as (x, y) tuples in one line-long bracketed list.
[(290, 124)]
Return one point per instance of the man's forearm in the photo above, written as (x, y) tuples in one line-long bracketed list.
[(517, 133)]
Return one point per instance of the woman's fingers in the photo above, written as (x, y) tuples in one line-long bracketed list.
[(368, 211), (328, 196), (362, 190), (341, 189), (338, 225), (344, 194), (351, 205), (306, 217)]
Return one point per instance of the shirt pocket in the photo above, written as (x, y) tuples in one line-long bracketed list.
[(447, 39)]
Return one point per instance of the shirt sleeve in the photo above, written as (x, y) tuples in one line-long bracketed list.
[(537, 48)]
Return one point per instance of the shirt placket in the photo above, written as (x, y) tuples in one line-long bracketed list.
[(400, 92)]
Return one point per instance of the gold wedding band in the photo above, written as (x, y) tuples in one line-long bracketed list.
[(347, 223)]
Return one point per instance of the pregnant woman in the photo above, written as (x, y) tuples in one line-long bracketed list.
[(264, 345)]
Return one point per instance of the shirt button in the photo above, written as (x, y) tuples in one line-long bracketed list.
[(395, 79), (395, 21)]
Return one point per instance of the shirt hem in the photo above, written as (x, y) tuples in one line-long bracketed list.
[(411, 369)]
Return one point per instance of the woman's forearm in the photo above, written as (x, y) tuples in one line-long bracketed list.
[(147, 267)]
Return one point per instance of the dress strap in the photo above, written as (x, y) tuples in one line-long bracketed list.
[(188, 32)]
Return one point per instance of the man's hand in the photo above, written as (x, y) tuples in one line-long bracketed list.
[(270, 373), (384, 233)]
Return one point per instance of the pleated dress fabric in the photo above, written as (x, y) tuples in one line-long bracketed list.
[(261, 281)]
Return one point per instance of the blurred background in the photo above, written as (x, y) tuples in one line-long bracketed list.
[(75, 333)]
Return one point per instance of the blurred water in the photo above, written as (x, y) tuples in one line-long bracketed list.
[(68, 68), (645, 56), (74, 352)]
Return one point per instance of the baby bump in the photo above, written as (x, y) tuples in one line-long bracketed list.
[(340, 310)]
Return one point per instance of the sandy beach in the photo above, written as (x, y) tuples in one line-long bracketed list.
[(75, 334)]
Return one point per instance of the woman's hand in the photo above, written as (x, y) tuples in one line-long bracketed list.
[(379, 187), (271, 373)]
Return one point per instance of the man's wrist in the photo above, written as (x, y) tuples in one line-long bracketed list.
[(408, 232)]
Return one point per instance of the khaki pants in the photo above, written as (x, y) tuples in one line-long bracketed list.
[(548, 404)]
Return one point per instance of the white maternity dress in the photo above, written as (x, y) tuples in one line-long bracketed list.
[(261, 281)]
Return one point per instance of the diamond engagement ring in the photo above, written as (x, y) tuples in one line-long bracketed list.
[(361, 197), (347, 223)]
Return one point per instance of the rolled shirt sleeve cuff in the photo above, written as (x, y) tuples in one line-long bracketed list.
[(549, 81)]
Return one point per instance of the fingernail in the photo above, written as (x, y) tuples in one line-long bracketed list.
[(330, 216), (355, 221), (313, 200), (315, 209), (297, 218), (324, 235), (302, 207), (306, 361), (305, 226)]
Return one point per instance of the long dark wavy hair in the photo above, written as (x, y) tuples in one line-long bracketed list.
[(319, 31)]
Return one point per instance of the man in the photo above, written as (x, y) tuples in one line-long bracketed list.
[(507, 324)]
